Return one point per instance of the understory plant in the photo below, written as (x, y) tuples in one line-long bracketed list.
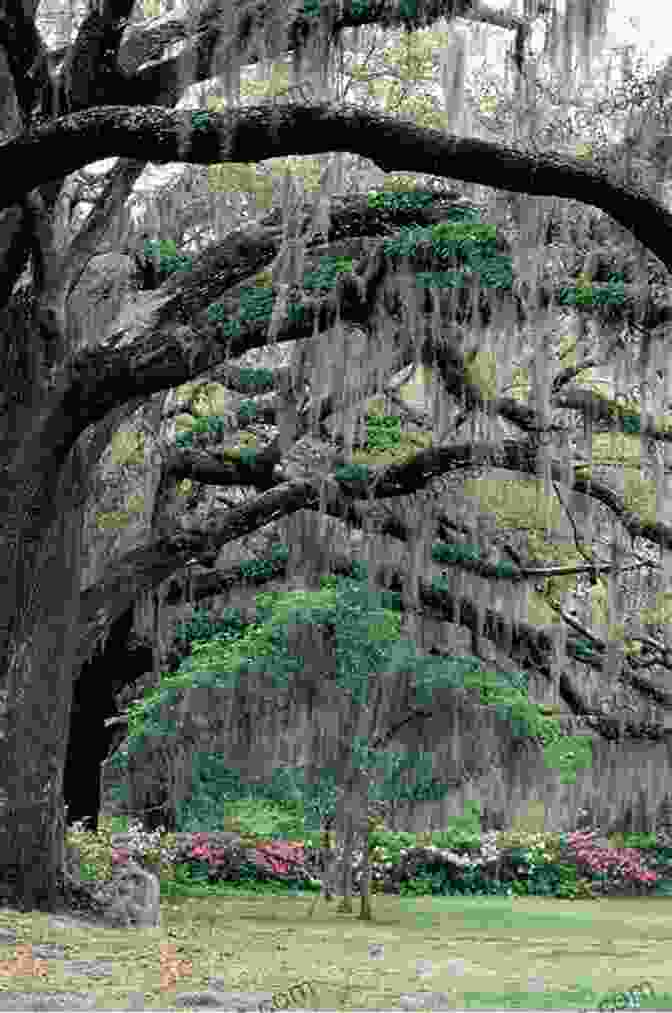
[(98, 855), (622, 864), (458, 861)]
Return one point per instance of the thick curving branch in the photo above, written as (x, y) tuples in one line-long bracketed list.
[(256, 133)]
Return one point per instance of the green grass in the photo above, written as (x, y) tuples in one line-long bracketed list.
[(580, 949), (268, 941), (483, 950)]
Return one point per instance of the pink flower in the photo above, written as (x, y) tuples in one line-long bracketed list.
[(624, 863)]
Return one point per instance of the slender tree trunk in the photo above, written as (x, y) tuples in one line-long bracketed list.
[(347, 840), (365, 880), (328, 863)]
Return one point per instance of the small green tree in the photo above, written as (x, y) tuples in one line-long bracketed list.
[(361, 656)]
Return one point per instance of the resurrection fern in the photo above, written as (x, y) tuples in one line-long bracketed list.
[(397, 201), (247, 455), (256, 380), (325, 275), (247, 411), (454, 552), (382, 432), (200, 120), (185, 439), (164, 252), (585, 293), (255, 306), (471, 244), (631, 423), (352, 473), (212, 425)]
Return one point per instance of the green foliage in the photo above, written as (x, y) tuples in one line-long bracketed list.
[(257, 380), (164, 251), (360, 8), (584, 647), (448, 240), (584, 293), (201, 627), (454, 552), (216, 424), (199, 120), (568, 754), (213, 425), (259, 570), (408, 9), (630, 421), (639, 840), (400, 201), (462, 213), (382, 432), (325, 275), (160, 248), (471, 243), (185, 439), (247, 411), (214, 785), (255, 307), (463, 832), (352, 473), (366, 639), (247, 455)]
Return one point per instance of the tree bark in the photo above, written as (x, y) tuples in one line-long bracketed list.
[(42, 514)]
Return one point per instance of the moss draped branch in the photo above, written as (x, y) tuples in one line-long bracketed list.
[(160, 81), (144, 568), (260, 132)]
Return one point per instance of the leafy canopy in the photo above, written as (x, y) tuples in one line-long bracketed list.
[(365, 638)]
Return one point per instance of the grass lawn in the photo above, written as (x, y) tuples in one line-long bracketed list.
[(486, 953)]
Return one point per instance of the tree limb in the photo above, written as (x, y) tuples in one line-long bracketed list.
[(256, 133)]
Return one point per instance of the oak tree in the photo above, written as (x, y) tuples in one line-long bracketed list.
[(112, 92)]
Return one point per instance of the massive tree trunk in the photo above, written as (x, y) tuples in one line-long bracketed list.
[(43, 491), (41, 537)]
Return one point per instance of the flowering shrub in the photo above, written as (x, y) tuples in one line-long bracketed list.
[(281, 857), (149, 848), (624, 864), (489, 849), (99, 855), (541, 848), (540, 863), (94, 851)]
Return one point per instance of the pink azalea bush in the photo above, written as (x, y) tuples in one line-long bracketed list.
[(623, 864), (280, 857)]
